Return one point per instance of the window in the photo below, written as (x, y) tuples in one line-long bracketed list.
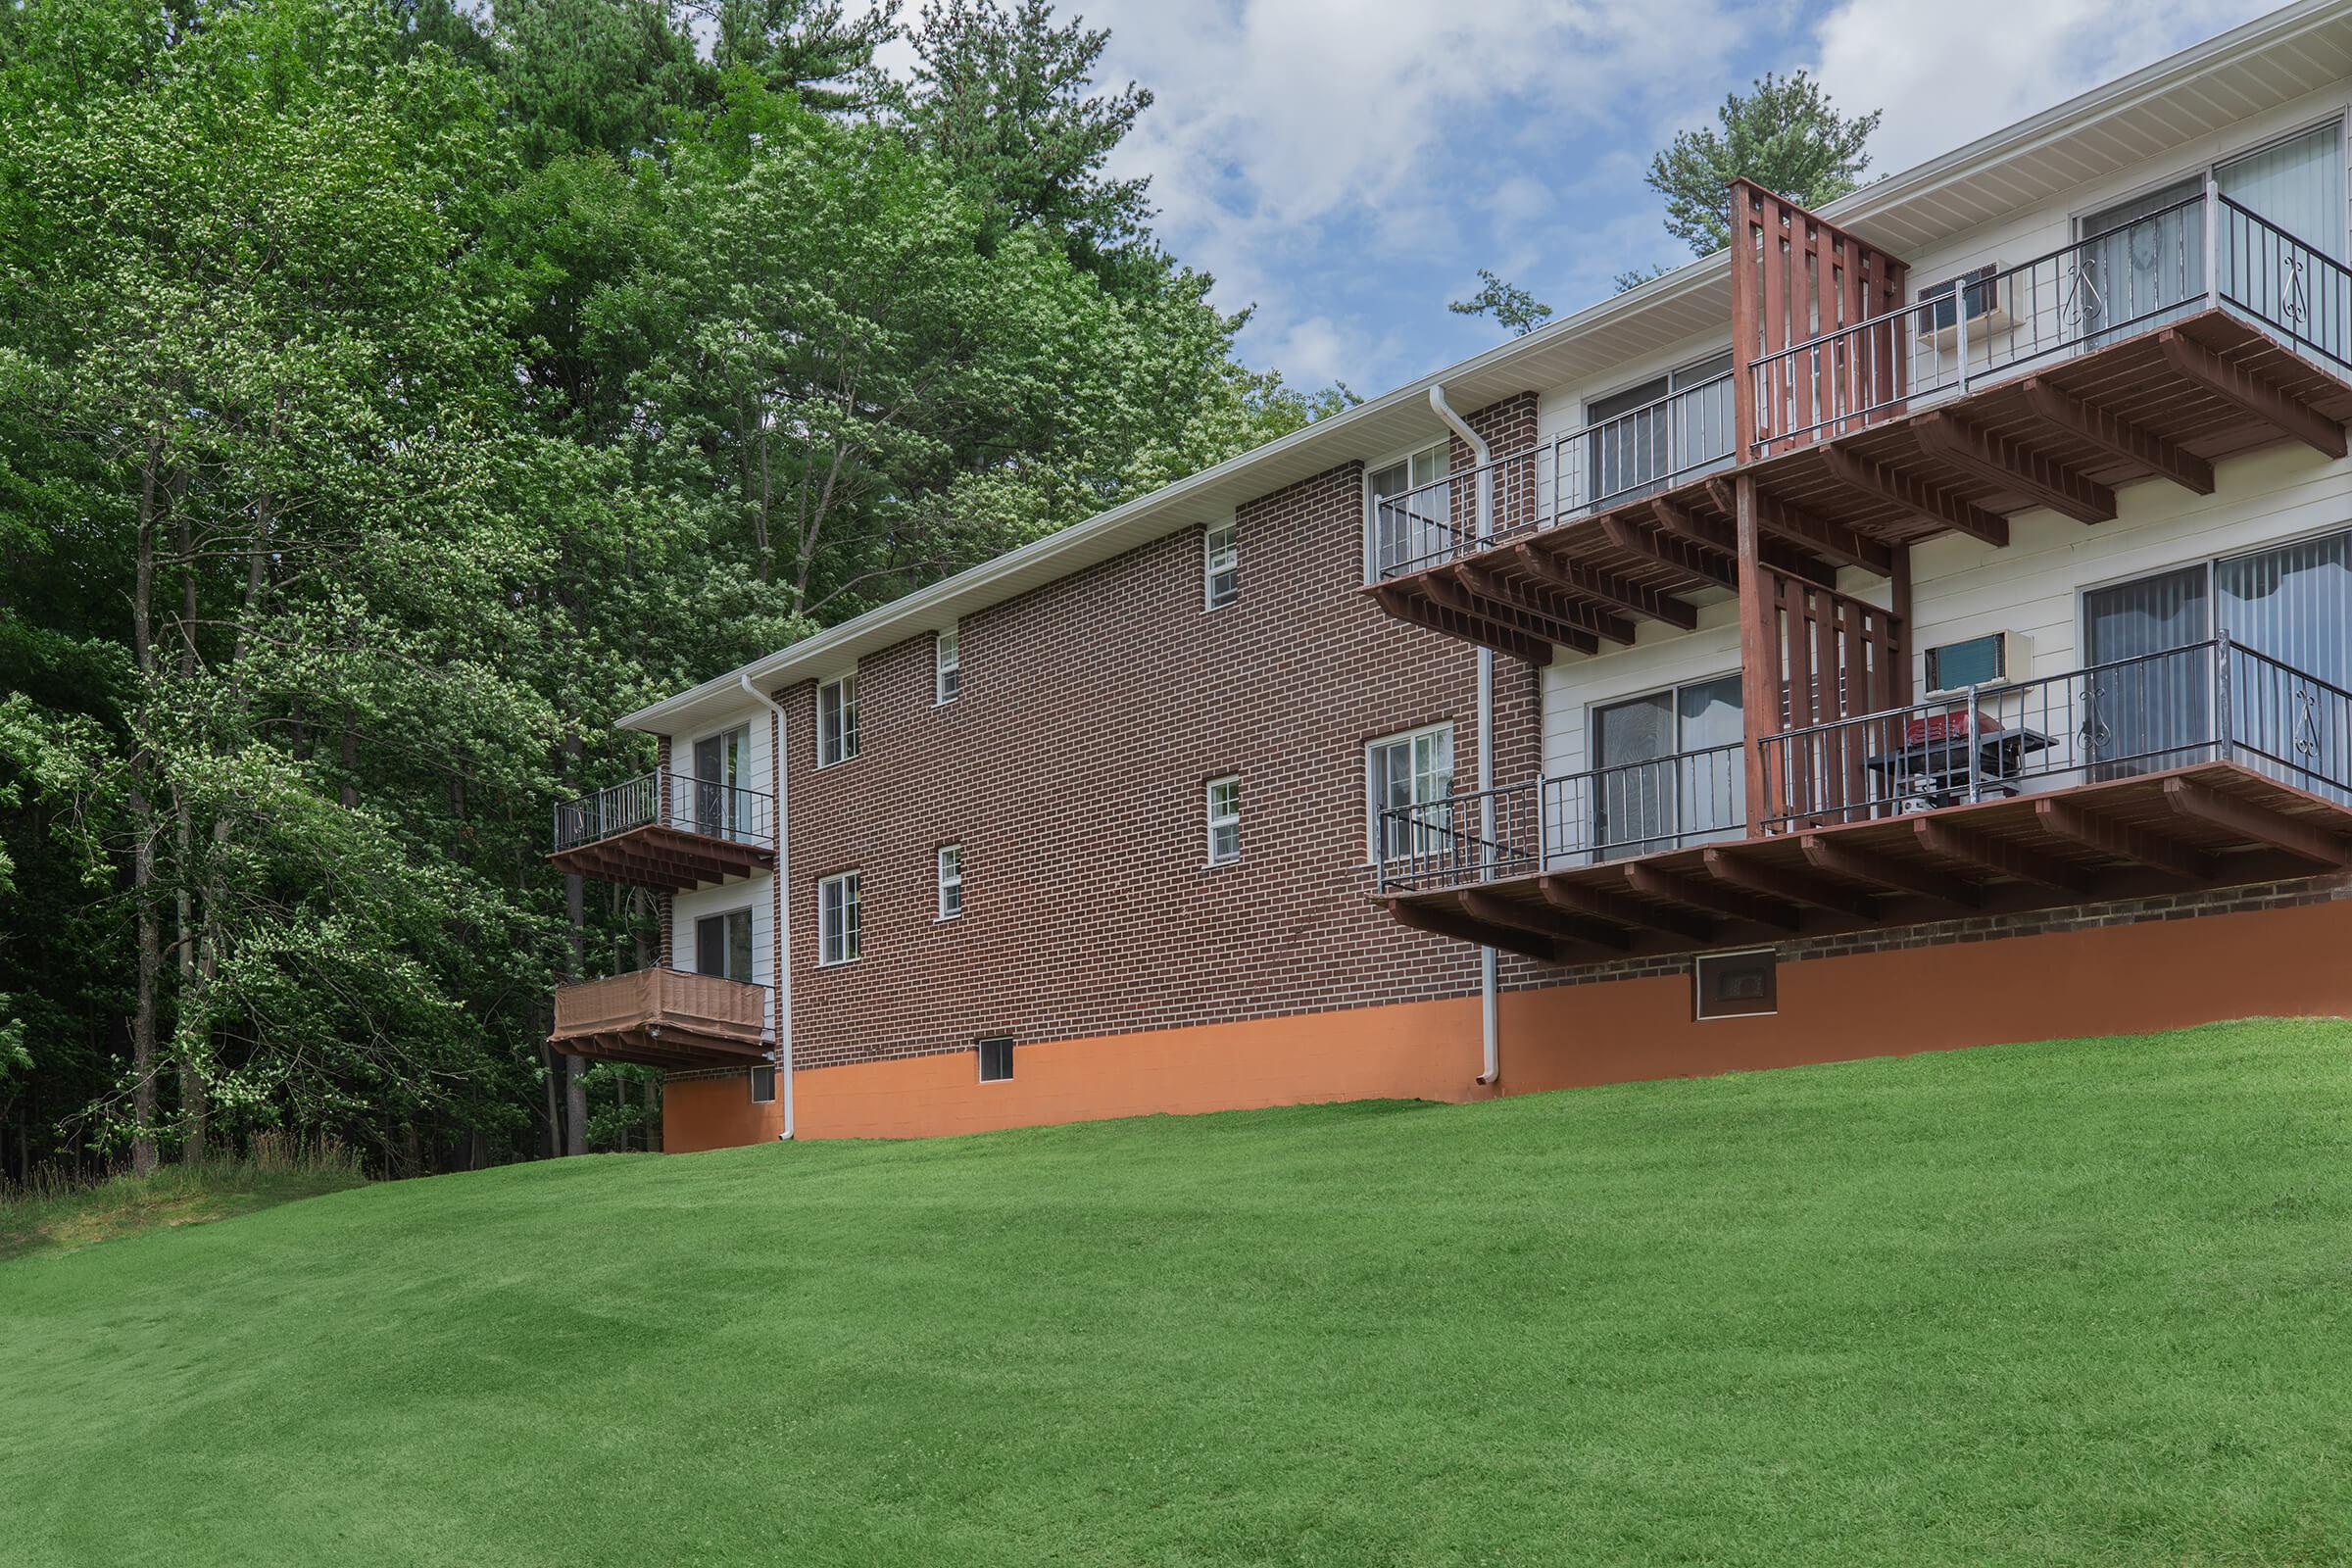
[(722, 945), (722, 805), (1412, 513), (837, 720), (1640, 438), (996, 1059), (947, 665), (1409, 778), (951, 881), (763, 1085), (1982, 661), (1220, 567), (1977, 292), (1224, 819), (837, 919), (1668, 769), (1735, 985)]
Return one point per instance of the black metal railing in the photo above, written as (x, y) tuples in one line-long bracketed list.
[(1629, 455), (1571, 820), (710, 807), (2204, 252), (2213, 701)]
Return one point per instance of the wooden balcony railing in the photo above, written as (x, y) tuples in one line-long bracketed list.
[(664, 1017)]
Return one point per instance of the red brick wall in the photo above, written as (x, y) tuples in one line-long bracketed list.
[(1071, 772)]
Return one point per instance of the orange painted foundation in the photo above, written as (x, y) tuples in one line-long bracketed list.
[(2106, 980)]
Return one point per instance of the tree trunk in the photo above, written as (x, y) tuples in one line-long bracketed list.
[(575, 1081), (143, 825)]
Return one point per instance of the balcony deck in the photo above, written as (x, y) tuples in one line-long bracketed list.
[(666, 831), (2167, 401), (663, 1019), (2212, 825)]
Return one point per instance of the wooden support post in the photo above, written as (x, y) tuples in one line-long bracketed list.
[(1759, 653)]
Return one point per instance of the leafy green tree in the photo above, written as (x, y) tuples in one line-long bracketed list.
[(1783, 133), (1007, 101), (1510, 305)]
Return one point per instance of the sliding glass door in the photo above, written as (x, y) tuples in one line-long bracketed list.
[(2149, 701), (1658, 784)]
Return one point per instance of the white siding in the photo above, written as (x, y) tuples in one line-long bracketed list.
[(1961, 588), (690, 907)]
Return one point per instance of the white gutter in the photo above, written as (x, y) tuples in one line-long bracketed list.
[(778, 905), (1489, 1026)]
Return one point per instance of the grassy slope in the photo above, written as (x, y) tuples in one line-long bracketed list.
[(2085, 1303), (174, 1195)]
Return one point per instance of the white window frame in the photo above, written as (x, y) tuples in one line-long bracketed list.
[(1220, 560), (946, 863), (1373, 847), (835, 947), (759, 1098), (840, 735), (1228, 817), (946, 666), (1372, 471)]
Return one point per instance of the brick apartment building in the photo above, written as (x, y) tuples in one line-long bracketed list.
[(1928, 623)]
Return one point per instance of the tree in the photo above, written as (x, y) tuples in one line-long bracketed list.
[(1510, 306), (1783, 133), (1004, 101)]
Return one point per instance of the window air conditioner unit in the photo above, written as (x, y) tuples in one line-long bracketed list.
[(1988, 307), (1996, 658)]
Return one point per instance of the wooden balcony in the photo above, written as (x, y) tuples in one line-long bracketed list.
[(2208, 767), (666, 830), (663, 1019), (1864, 423)]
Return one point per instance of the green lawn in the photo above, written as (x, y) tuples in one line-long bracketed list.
[(2076, 1303)]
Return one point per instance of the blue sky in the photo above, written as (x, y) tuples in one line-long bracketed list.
[(1348, 166)]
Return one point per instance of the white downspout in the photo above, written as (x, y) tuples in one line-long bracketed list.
[(1490, 1030), (780, 905)]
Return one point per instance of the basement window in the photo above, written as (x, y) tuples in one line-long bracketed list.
[(1735, 985), (996, 1059), (763, 1086)]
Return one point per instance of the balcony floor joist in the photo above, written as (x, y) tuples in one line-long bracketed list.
[(2216, 824), (667, 859), (2165, 401)]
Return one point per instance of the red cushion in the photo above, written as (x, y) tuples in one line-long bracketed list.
[(1950, 724)]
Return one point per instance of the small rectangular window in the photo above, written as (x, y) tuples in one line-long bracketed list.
[(1975, 291), (838, 918), (1735, 985), (1220, 566), (947, 664), (1987, 661), (837, 720), (1224, 819), (951, 881), (996, 1060), (763, 1085)]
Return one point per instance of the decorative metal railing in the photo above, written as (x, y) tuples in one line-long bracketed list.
[(670, 799), (1633, 454), (2211, 701), (1548, 825), (2205, 252)]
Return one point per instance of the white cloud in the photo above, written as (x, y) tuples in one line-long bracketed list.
[(1949, 74), (1286, 130)]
